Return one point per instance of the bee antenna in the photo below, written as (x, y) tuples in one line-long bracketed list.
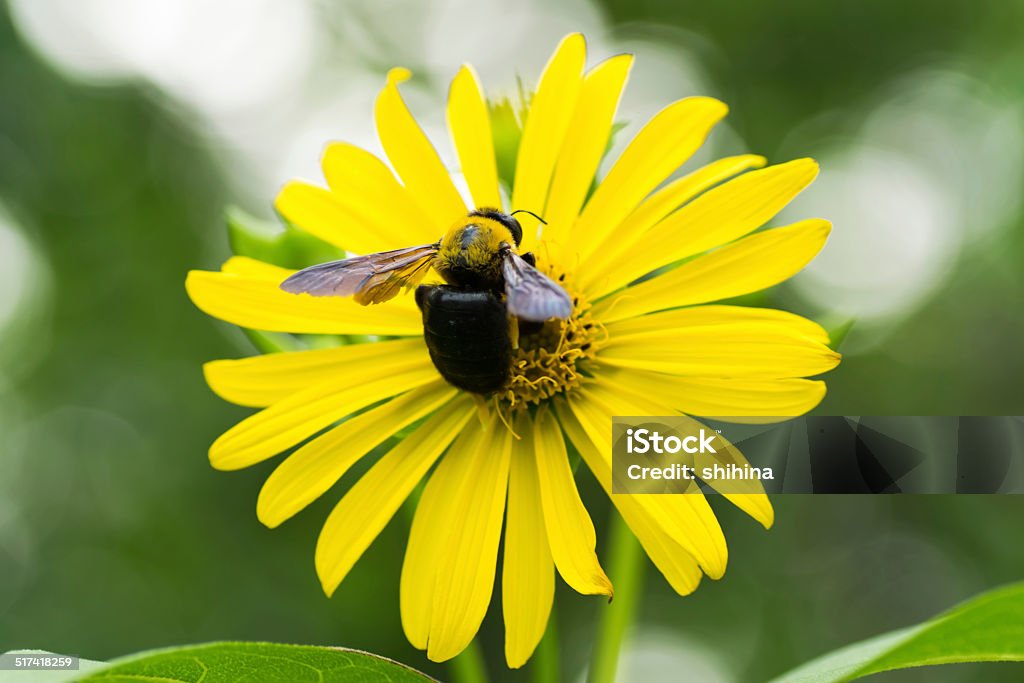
[(529, 212)]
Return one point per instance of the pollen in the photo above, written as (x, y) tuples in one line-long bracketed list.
[(551, 357)]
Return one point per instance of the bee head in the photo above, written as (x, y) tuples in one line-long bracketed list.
[(505, 219), (508, 220)]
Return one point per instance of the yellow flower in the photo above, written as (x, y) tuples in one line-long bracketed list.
[(653, 348)]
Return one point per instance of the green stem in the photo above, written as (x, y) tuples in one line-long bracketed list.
[(545, 667), (468, 666), (626, 569)]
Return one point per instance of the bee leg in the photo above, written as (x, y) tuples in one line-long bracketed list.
[(530, 258), (513, 332)]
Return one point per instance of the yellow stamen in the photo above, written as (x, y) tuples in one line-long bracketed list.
[(546, 360)]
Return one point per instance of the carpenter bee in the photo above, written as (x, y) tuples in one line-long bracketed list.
[(468, 322)]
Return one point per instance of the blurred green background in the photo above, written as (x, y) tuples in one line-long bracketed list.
[(125, 129)]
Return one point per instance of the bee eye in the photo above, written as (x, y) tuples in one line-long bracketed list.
[(510, 223), (516, 229)]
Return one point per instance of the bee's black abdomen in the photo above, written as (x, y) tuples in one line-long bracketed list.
[(467, 336)]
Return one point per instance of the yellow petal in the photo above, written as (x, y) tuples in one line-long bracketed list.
[(661, 147), (528, 576), (310, 471), (465, 574), (722, 398), (365, 211), (334, 218), (601, 266), (414, 158), (551, 110), (260, 304), (585, 144), (469, 125), (429, 537), (749, 349), (677, 566), (718, 216), (252, 268), (749, 496), (686, 519), (261, 380), (747, 265), (682, 190), (570, 532), (711, 316), (305, 413), (672, 560), (364, 511), (746, 494), (370, 190)]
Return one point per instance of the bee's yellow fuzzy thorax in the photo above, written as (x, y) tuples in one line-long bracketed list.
[(479, 236), (472, 249)]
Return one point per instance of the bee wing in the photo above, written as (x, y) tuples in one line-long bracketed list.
[(389, 281), (532, 295), (372, 278)]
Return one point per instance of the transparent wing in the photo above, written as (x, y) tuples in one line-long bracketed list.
[(532, 295), (387, 283), (371, 279)]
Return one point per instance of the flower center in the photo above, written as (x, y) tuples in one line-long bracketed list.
[(550, 355)]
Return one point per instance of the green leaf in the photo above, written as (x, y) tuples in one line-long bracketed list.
[(987, 628), (283, 246), (262, 662)]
